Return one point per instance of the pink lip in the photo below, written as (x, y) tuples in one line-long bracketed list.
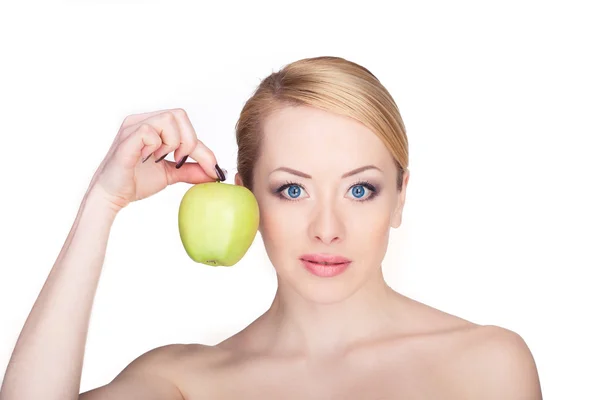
[(322, 258), (314, 263)]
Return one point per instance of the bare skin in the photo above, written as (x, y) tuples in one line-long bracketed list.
[(346, 337), (437, 355), (406, 362)]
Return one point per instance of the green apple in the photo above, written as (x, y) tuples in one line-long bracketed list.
[(218, 222)]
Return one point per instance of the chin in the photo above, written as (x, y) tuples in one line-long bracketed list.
[(321, 290)]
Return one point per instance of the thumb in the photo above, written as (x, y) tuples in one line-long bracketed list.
[(188, 173)]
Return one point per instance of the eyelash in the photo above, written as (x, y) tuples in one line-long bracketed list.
[(367, 184)]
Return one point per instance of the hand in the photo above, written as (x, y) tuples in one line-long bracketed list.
[(129, 172)]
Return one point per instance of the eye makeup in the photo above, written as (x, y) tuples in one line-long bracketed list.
[(371, 187)]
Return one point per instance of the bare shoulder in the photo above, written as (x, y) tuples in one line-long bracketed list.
[(163, 363), (495, 363), (158, 360), (153, 375), (171, 362), (479, 361)]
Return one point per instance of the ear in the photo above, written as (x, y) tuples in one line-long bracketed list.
[(238, 179), (396, 220)]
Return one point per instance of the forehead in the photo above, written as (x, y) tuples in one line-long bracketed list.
[(303, 134)]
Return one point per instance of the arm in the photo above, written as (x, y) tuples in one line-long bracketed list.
[(48, 357), (47, 360)]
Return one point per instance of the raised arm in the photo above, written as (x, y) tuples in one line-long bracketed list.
[(47, 360)]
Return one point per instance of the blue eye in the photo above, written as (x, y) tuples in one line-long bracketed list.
[(289, 191), (293, 191), (358, 191)]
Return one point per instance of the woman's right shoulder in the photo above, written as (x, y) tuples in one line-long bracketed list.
[(178, 354), (160, 373), (171, 361), (177, 361)]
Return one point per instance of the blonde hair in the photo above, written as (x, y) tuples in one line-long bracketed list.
[(329, 83)]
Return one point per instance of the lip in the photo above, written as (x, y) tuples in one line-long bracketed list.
[(325, 258), (314, 264)]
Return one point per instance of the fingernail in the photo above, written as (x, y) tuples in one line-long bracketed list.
[(162, 158), (220, 173), (146, 159), (180, 163)]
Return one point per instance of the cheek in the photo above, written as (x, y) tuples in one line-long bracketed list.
[(372, 228), (277, 223), (368, 234)]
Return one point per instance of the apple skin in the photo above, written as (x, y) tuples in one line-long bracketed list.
[(218, 222)]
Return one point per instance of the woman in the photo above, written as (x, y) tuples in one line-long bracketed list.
[(323, 148)]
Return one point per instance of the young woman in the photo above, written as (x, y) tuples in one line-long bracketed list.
[(323, 148)]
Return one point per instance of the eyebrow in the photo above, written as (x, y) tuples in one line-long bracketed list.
[(347, 174)]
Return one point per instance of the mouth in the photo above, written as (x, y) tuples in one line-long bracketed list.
[(325, 259), (325, 265)]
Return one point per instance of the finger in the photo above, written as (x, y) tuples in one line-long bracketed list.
[(192, 146), (166, 125), (143, 141), (134, 119), (189, 173)]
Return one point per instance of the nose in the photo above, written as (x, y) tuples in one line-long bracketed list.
[(326, 224)]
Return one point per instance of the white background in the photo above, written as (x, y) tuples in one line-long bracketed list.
[(500, 101)]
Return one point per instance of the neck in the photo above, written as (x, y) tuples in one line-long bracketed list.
[(299, 326)]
